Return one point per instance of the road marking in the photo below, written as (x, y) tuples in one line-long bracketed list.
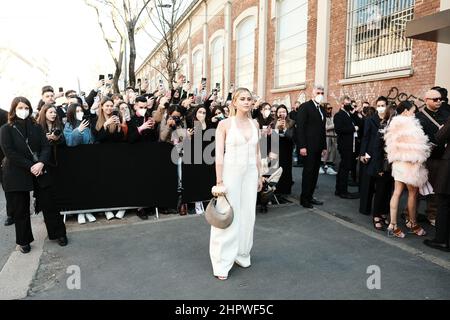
[(428, 257), (19, 270)]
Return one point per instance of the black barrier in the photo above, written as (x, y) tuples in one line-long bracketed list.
[(115, 175)]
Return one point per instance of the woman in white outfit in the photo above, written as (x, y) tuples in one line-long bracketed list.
[(238, 169)]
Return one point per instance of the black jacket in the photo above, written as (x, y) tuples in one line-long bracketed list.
[(430, 129), (344, 126), (150, 135), (442, 181), (310, 127), (18, 159), (373, 144)]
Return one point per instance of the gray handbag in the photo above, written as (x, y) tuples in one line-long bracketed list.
[(221, 220)]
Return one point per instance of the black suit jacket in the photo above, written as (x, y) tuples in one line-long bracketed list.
[(430, 129), (149, 135), (310, 128), (18, 159), (373, 144), (344, 126)]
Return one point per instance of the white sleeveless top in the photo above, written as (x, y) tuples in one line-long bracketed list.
[(239, 151)]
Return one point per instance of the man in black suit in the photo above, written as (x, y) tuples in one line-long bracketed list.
[(311, 141), (346, 125)]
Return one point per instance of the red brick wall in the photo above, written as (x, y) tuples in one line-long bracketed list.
[(423, 61)]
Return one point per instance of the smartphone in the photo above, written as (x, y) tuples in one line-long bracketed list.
[(115, 113), (61, 89), (203, 83), (161, 85), (217, 86), (110, 76), (138, 80)]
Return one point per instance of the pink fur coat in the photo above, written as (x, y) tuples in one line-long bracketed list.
[(407, 148)]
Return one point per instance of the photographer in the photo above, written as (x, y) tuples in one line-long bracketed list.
[(283, 128), (219, 115), (76, 129), (27, 153), (142, 127), (50, 123), (109, 126)]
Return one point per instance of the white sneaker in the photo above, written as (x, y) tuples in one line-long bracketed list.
[(331, 171), (109, 215), (321, 171), (198, 208), (81, 218), (90, 217), (120, 214)]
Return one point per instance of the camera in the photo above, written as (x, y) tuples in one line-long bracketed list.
[(177, 120), (56, 132)]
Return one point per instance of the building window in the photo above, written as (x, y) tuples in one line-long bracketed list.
[(197, 62), (291, 41), (245, 57), (376, 40), (217, 62), (182, 70)]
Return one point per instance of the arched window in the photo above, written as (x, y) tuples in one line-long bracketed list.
[(245, 53), (217, 62), (291, 40), (197, 62)]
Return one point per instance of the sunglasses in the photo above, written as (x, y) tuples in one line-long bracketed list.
[(435, 99)]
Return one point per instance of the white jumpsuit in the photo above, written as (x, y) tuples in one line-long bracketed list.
[(240, 177)]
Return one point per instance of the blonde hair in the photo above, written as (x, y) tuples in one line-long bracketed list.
[(101, 119), (236, 95)]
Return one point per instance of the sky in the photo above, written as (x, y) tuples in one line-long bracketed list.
[(61, 36)]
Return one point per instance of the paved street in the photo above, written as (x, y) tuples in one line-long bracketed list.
[(298, 254)]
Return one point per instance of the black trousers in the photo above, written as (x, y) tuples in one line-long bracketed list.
[(344, 169), (8, 205), (366, 190), (443, 218), (19, 203), (311, 166), (383, 193)]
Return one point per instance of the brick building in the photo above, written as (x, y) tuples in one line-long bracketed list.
[(280, 48)]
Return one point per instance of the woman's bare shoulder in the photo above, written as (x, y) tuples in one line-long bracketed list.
[(224, 124)]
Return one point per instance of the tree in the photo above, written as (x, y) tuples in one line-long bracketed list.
[(116, 54), (172, 46), (125, 15)]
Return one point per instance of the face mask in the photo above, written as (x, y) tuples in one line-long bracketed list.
[(201, 117), (80, 116), (141, 112), (319, 98), (266, 113), (381, 109), (348, 107), (22, 114)]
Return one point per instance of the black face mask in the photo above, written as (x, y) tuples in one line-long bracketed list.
[(348, 107)]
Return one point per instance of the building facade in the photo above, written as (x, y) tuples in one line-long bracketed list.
[(280, 48)]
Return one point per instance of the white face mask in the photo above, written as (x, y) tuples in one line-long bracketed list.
[(266, 113), (22, 113), (141, 112), (201, 117), (381, 109), (319, 98), (80, 116)]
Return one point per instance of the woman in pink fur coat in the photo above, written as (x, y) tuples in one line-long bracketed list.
[(407, 148)]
